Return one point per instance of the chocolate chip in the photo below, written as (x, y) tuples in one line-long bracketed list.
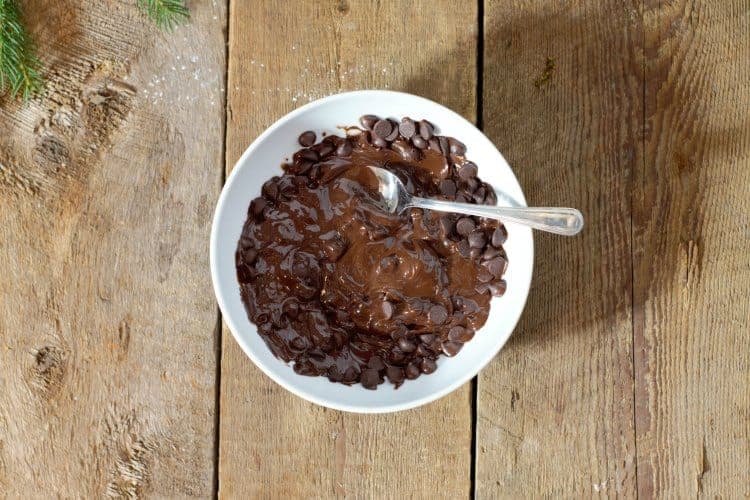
[(491, 198), (464, 226), (426, 129), (434, 145), (437, 314), (334, 248), (412, 371), (472, 184), (498, 289), (334, 375), (394, 131), (270, 190), (457, 147), (309, 154), (307, 139), (291, 308), (419, 142), (376, 363), (448, 187), (370, 379), (460, 334), (463, 249), (444, 145), (344, 149), (428, 365), (499, 236), (382, 129), (350, 375), (325, 149), (451, 348), (496, 266), (407, 127), (447, 225), (405, 150), (299, 343), (395, 374), (377, 141), (257, 206), (460, 198), (427, 338), (477, 239), (406, 345), (490, 253), (482, 288), (387, 308), (368, 121), (485, 276), (479, 195), (475, 252), (423, 350), (468, 171)]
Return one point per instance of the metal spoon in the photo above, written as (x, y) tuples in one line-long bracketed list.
[(565, 221)]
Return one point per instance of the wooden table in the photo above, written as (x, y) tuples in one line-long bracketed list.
[(629, 373)]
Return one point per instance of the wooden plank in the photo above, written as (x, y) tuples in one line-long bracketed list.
[(692, 239), (282, 55), (562, 101), (107, 322)]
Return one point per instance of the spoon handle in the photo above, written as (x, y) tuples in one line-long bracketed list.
[(558, 220)]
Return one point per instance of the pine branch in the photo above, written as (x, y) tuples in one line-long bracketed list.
[(19, 66), (167, 14)]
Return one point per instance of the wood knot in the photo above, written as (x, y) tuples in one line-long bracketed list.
[(48, 371), (342, 6)]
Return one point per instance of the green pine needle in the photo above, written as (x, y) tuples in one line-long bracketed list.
[(167, 14), (19, 66)]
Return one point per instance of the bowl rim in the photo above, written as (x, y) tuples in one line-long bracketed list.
[(220, 293)]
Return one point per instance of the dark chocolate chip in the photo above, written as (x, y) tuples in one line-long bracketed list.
[(377, 141), (498, 289), (490, 253), (291, 308), (419, 142), (468, 171), (325, 149), (434, 145), (477, 239), (350, 375), (451, 348), (394, 132), (463, 249), (376, 363), (479, 195), (448, 187), (307, 139), (334, 248), (424, 351), (447, 225), (299, 344), (370, 379), (437, 314), (412, 371), (428, 365), (499, 236), (405, 150), (395, 374), (465, 226), (482, 288), (407, 127), (270, 190), (472, 184), (491, 198), (257, 206), (382, 129), (387, 308), (344, 149), (475, 252), (427, 338), (406, 345), (485, 276), (444, 145), (460, 334), (368, 121), (457, 147), (496, 266), (309, 154), (426, 130)]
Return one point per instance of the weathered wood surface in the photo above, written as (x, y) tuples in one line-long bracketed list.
[(107, 322), (555, 408), (273, 444), (691, 227)]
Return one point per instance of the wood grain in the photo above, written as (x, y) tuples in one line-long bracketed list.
[(563, 102), (107, 322), (272, 444), (692, 239)]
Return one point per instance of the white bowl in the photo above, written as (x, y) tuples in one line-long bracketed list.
[(262, 160)]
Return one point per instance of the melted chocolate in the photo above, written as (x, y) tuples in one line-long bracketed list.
[(344, 289)]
